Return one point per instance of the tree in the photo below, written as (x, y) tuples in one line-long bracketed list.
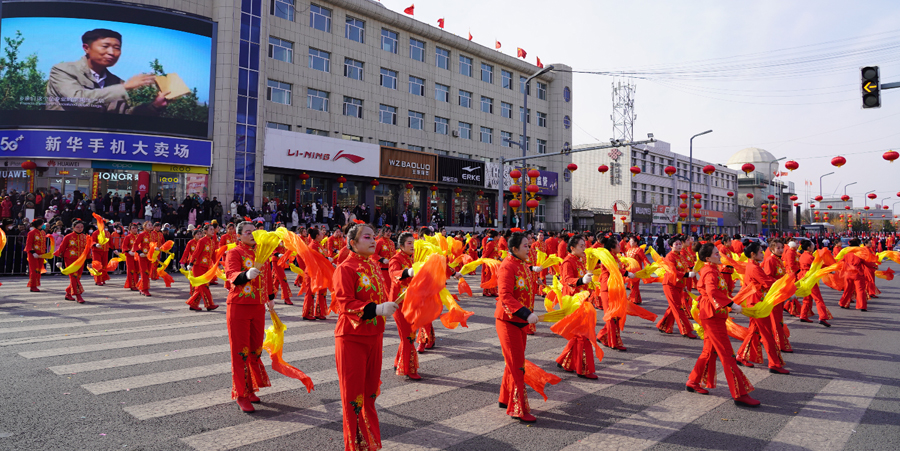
[(187, 107), (20, 79)]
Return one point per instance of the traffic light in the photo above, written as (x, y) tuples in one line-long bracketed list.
[(870, 87)]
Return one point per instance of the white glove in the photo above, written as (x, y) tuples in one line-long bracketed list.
[(532, 319), (97, 245), (252, 273), (586, 279), (384, 261), (270, 305), (735, 308), (59, 265), (35, 255), (629, 275), (410, 272), (692, 274), (330, 259), (458, 275), (536, 269), (386, 309), (142, 255), (131, 253), (190, 267)]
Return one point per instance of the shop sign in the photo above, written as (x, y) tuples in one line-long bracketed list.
[(90, 145), (95, 185), (664, 214), (168, 178), (642, 212), (460, 171), (143, 183), (179, 168), (548, 181), (114, 176), (492, 176), (313, 153), (46, 163), (13, 173), (408, 165), (121, 166)]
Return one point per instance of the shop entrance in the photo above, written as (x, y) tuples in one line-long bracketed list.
[(462, 211), (386, 204), (437, 216), (412, 203), (68, 185)]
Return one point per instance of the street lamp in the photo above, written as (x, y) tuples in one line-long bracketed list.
[(866, 197), (524, 144), (845, 187), (691, 169), (820, 182)]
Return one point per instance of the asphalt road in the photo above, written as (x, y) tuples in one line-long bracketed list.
[(128, 372)]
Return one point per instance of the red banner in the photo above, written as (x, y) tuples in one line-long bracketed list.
[(143, 183), (95, 185)]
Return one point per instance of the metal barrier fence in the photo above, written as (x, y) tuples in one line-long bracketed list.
[(14, 260)]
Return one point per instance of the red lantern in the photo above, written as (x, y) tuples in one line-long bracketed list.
[(409, 187), (533, 189), (515, 204), (872, 196), (538, 198), (886, 207), (635, 171), (771, 197), (763, 220), (812, 205), (479, 193), (603, 168), (898, 193), (622, 218), (748, 168), (774, 220), (891, 155), (730, 194), (341, 181), (846, 207), (303, 178), (515, 189), (845, 198), (709, 169), (683, 206), (533, 174), (828, 207), (572, 167), (749, 195), (515, 174), (696, 215), (794, 198), (697, 196), (458, 191), (29, 165), (531, 204), (682, 215), (374, 183), (764, 212), (670, 170), (796, 204), (819, 198), (882, 216), (433, 189), (838, 161), (791, 165), (866, 207), (683, 196)]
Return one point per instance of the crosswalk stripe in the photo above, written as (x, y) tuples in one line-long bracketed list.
[(81, 335), (101, 322), (826, 422), (455, 430), (657, 422), (66, 306), (79, 315)]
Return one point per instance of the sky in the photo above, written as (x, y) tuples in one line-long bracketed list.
[(55, 40), (804, 103)]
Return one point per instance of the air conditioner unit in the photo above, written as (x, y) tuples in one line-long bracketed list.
[(455, 133)]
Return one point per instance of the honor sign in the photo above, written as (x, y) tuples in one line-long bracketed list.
[(408, 165)]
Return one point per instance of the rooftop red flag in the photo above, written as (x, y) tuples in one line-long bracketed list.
[(441, 23), (496, 44), (520, 52), (470, 35), (410, 10), (539, 64)]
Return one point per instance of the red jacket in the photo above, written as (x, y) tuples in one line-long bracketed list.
[(188, 251), (514, 290), (399, 262), (357, 283), (678, 261), (562, 249), (773, 266), (71, 247), (571, 271), (237, 262), (713, 293), (36, 242), (204, 253)]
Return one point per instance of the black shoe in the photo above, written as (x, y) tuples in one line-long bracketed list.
[(501, 405), (824, 323), (864, 310)]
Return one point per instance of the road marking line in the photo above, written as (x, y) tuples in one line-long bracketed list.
[(81, 335), (102, 322), (827, 421)]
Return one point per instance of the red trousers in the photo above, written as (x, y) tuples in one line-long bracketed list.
[(246, 331), (358, 360), (200, 292), (512, 387), (314, 306), (132, 272), (145, 268), (675, 312), (426, 336), (635, 286), (285, 288), (609, 336), (485, 276), (778, 330), (74, 287), (816, 296), (578, 356), (101, 256), (857, 287), (760, 334), (407, 360), (717, 345), (35, 265)]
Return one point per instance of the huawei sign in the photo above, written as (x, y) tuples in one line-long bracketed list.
[(325, 156)]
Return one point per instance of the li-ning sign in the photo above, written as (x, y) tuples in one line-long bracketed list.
[(292, 150)]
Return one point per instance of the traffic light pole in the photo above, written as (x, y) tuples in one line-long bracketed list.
[(501, 208), (891, 85)]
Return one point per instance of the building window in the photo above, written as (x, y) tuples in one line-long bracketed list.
[(320, 18), (487, 105), (505, 138), (355, 30), (527, 142), (281, 50), (312, 131), (487, 73), (319, 60), (316, 100), (523, 87), (465, 130), (388, 78), (542, 91), (416, 148), (353, 107), (487, 135), (384, 143), (389, 41), (506, 110), (442, 58), (387, 115), (505, 79), (465, 65), (523, 116), (283, 9), (465, 99), (417, 50), (542, 146), (441, 125), (353, 69), (278, 92), (278, 126), (416, 120), (352, 138), (416, 86), (441, 152), (541, 119), (441, 92)]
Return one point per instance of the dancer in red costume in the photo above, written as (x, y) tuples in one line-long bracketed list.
[(189, 250), (230, 236), (132, 266), (35, 246), (245, 316), (100, 253), (141, 247), (156, 236), (200, 263), (314, 306), (674, 289), (635, 252), (870, 267), (713, 304), (361, 300), (791, 261), (760, 333), (279, 277), (774, 268), (407, 361), (854, 271), (806, 260), (335, 243), (71, 247), (511, 316), (304, 236), (384, 251), (610, 336), (489, 250), (578, 355)]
